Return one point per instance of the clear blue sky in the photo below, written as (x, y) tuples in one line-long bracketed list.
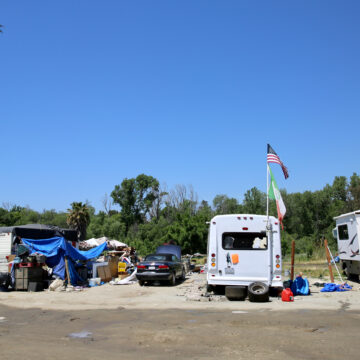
[(189, 92)]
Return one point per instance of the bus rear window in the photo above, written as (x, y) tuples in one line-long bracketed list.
[(244, 241)]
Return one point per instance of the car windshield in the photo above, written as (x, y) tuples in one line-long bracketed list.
[(158, 257)]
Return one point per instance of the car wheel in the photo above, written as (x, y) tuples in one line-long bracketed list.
[(183, 275), (141, 282), (172, 281), (258, 292)]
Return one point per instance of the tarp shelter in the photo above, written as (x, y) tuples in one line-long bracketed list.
[(40, 231), (55, 249)]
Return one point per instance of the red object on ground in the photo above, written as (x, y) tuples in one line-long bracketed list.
[(287, 295)]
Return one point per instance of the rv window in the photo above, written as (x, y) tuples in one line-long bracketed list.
[(244, 241), (343, 232)]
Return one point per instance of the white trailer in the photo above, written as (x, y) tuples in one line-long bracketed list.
[(347, 233), (244, 253)]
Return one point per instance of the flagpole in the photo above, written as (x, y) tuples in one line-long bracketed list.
[(267, 192)]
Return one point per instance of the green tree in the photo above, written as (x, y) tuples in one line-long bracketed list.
[(135, 197), (224, 205), (78, 218), (51, 217), (254, 202), (354, 192), (189, 231)]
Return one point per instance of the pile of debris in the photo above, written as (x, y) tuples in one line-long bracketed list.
[(195, 290), (55, 264), (111, 244)]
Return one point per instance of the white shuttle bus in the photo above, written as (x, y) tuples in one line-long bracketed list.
[(244, 256)]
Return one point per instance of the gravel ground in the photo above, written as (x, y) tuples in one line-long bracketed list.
[(158, 322)]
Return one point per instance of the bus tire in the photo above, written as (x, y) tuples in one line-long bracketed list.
[(258, 292)]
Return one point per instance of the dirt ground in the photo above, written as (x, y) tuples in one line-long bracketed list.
[(158, 322)]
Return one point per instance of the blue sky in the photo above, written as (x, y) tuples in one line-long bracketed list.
[(189, 92)]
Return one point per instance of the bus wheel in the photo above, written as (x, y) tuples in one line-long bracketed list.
[(258, 292)]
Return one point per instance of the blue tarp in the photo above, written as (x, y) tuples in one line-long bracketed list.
[(330, 287), (300, 286), (55, 249)]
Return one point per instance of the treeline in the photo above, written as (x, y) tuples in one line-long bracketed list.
[(144, 214)]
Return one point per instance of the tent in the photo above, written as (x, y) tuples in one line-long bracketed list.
[(56, 249)]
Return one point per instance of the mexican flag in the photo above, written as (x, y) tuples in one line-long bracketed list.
[(274, 194)]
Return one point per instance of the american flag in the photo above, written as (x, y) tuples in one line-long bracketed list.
[(272, 157)]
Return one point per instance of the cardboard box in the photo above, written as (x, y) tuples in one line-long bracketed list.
[(113, 264), (104, 273)]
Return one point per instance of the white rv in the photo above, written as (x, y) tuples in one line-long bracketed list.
[(347, 233), (244, 253)]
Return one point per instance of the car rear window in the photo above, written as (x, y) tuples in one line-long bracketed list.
[(244, 241), (159, 257)]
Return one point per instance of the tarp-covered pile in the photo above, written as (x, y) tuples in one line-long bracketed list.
[(330, 287), (55, 249), (300, 286), (111, 244)]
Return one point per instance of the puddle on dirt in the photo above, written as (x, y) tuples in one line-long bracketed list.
[(191, 321), (2, 319), (239, 312), (81, 335)]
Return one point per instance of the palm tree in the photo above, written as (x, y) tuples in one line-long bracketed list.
[(78, 218)]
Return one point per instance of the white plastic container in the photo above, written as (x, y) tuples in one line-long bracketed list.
[(94, 281)]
